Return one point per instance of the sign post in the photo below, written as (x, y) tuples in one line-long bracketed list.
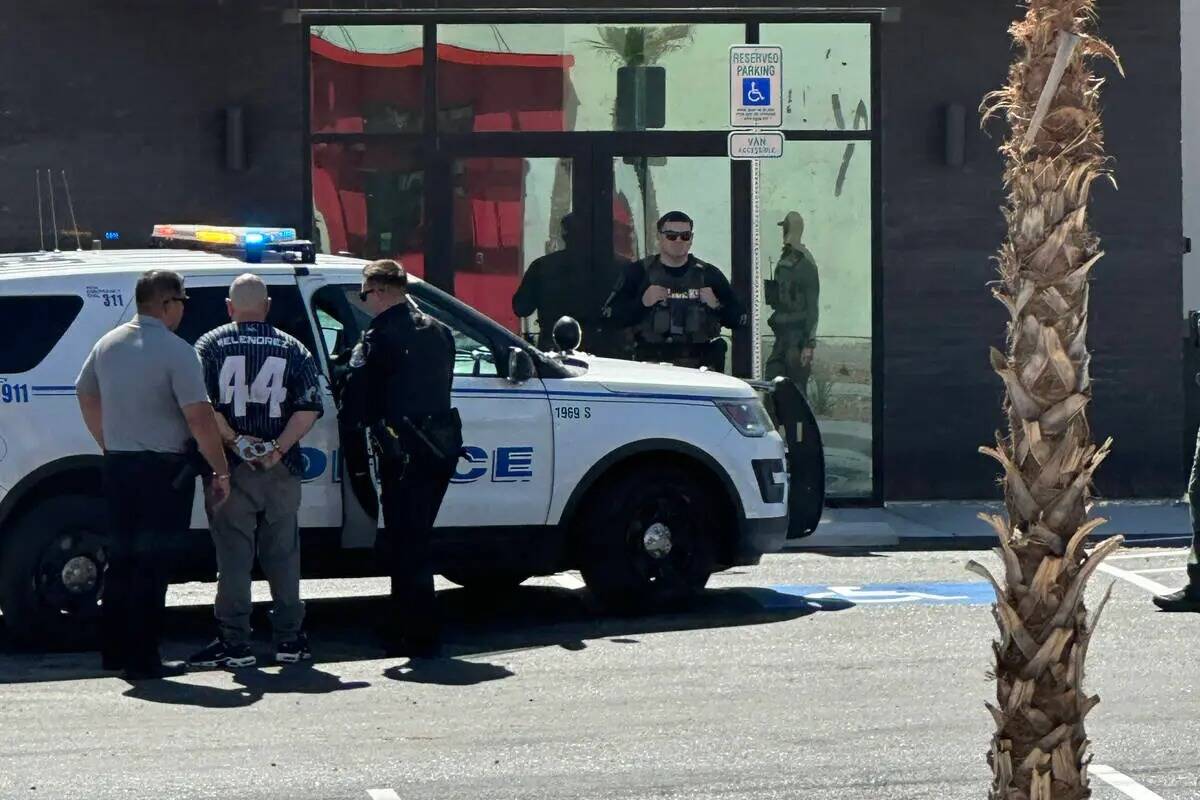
[(755, 101)]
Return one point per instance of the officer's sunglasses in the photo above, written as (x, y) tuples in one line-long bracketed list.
[(176, 299), (671, 236), (365, 293)]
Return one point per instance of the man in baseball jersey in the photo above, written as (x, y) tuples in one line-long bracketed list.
[(263, 384)]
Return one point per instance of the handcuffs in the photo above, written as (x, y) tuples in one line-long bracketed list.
[(248, 449)]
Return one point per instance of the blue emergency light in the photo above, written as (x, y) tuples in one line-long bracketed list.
[(250, 243)]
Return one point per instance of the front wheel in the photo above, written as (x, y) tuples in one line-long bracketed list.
[(52, 572), (649, 539)]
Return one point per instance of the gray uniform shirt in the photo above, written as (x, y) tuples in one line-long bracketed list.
[(144, 375)]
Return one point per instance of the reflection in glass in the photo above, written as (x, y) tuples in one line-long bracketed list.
[(548, 77), (827, 74), (815, 315), (646, 188), (368, 200), (514, 259), (367, 79)]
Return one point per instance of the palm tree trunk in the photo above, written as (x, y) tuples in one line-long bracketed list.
[(1053, 154)]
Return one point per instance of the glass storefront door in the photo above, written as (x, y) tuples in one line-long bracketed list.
[(521, 163)]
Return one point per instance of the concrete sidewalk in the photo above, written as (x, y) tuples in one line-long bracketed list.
[(955, 523)]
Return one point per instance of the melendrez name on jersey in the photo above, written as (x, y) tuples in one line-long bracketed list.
[(226, 341)]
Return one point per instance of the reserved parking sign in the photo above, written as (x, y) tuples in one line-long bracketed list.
[(755, 86)]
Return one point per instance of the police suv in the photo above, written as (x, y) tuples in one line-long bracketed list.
[(645, 477)]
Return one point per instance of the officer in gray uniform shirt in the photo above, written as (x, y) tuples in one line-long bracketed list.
[(142, 395)]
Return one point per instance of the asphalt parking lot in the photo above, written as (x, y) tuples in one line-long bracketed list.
[(847, 676)]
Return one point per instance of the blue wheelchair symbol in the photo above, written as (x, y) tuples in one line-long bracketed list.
[(756, 92)]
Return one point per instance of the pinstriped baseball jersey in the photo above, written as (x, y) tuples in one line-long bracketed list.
[(258, 376)]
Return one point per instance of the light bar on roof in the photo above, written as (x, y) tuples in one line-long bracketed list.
[(223, 235)]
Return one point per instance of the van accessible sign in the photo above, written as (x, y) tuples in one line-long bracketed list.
[(755, 86), (747, 145)]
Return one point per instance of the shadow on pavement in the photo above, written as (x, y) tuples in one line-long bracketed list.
[(343, 629), (447, 672), (254, 684)]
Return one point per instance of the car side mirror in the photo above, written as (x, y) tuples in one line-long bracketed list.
[(520, 365), (568, 335)]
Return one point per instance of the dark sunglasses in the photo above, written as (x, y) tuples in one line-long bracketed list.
[(673, 235), (366, 293), (176, 299)]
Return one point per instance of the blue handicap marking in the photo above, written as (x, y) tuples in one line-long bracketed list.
[(928, 594), (756, 92)]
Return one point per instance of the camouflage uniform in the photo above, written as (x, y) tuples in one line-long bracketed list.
[(794, 318)]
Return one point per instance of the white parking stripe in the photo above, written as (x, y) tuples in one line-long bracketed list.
[(1154, 587), (383, 794), (1122, 783), (1125, 556), (1180, 568), (568, 580)]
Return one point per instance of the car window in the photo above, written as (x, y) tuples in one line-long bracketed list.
[(337, 306), (206, 310), (332, 331), (33, 325), (473, 354), (340, 316)]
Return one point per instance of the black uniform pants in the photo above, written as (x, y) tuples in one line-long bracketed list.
[(1193, 495), (412, 494), (144, 513)]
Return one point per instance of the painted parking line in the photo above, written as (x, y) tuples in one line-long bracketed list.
[(383, 794), (1122, 783), (1140, 581), (929, 594), (1157, 570), (1128, 556)]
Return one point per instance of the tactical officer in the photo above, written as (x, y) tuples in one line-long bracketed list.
[(674, 303), (1188, 598), (794, 294), (562, 284), (398, 388), (141, 392), (265, 388)]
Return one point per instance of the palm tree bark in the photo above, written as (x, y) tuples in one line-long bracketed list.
[(1053, 155)]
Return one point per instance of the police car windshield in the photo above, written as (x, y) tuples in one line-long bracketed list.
[(433, 300)]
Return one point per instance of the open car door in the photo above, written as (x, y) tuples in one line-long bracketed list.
[(795, 421)]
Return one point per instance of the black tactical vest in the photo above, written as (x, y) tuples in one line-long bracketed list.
[(683, 318)]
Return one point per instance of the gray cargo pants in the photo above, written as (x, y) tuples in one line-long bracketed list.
[(260, 516)]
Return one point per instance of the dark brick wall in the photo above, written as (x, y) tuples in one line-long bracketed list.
[(125, 95), (129, 100), (942, 226)]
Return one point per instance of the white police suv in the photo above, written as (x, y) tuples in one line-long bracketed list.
[(647, 478)]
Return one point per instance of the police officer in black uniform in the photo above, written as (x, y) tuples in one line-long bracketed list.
[(564, 284), (398, 388), (674, 303)]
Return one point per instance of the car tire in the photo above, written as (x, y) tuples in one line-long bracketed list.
[(649, 539), (487, 582), (52, 573)]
